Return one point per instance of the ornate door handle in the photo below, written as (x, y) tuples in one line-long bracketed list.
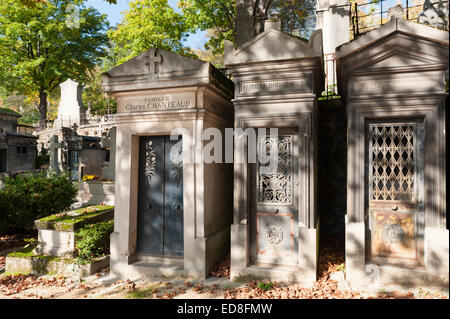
[(177, 207)]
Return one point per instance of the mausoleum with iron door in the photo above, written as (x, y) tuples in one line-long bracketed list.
[(393, 82), (173, 210)]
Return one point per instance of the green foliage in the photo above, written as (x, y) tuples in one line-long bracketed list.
[(100, 103), (265, 286), (147, 24), (28, 197), (216, 16), (341, 267), (43, 159), (40, 49), (153, 23), (93, 241), (34, 2), (29, 117), (143, 293), (297, 16)]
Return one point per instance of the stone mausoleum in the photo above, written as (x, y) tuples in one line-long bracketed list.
[(172, 210), (366, 160), (393, 82), (17, 150), (278, 78)]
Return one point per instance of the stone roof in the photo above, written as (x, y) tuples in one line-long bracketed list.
[(157, 69), (274, 45), (7, 111), (395, 25)]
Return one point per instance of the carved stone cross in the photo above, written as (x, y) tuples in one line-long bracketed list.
[(55, 155), (152, 60)]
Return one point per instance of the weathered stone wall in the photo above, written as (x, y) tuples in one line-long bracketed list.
[(332, 159)]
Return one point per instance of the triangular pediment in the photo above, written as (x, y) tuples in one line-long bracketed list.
[(274, 45), (397, 34), (399, 49), (157, 63), (394, 58), (160, 69)]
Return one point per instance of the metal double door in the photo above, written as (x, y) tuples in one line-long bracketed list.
[(160, 199)]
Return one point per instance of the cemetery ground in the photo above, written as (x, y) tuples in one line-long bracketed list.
[(104, 286)]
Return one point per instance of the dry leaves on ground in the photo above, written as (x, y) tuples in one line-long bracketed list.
[(331, 259), (321, 290), (126, 285), (2, 263), (13, 284), (12, 241), (222, 268)]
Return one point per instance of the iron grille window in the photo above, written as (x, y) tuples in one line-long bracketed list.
[(276, 187), (392, 162)]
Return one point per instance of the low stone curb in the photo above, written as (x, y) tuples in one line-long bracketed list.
[(45, 265)]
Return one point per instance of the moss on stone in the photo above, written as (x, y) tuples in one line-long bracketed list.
[(8, 111), (71, 221), (25, 252), (28, 252)]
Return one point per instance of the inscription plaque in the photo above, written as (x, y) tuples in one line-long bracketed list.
[(151, 103), (301, 85), (397, 85)]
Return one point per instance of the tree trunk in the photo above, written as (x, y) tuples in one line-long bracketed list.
[(42, 109)]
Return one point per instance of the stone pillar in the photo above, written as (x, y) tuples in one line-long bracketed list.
[(70, 110), (333, 17), (244, 21)]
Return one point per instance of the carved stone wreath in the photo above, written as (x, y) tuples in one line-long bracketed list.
[(274, 234), (393, 233)]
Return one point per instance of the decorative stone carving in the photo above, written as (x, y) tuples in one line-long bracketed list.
[(395, 12), (393, 233), (274, 234), (152, 60)]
